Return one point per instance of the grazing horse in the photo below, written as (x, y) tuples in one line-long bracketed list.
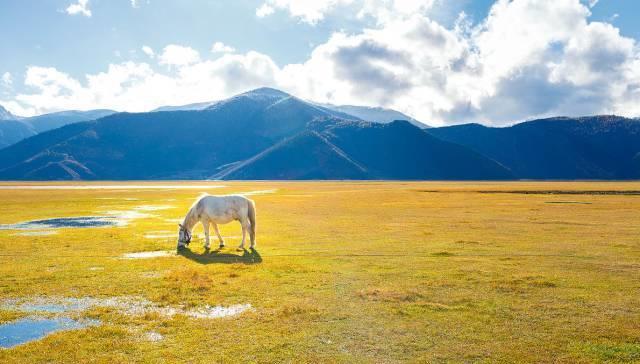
[(216, 210)]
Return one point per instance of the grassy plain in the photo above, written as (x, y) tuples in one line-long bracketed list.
[(344, 272)]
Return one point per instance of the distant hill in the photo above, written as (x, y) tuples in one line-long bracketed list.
[(364, 113), (189, 107), (597, 147), (262, 134), (16, 129), (6, 114), (11, 129), (42, 123), (375, 114)]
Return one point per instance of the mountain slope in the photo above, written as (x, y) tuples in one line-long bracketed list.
[(12, 131), (340, 149), (599, 147), (11, 128), (307, 155), (42, 123), (198, 106), (6, 114), (400, 150), (375, 114)]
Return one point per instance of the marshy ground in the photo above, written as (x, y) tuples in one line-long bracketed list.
[(343, 272)]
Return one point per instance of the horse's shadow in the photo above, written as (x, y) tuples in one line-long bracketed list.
[(216, 257)]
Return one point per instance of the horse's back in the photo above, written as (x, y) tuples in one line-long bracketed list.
[(223, 207), (223, 199)]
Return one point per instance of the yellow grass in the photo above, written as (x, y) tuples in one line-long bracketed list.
[(344, 272)]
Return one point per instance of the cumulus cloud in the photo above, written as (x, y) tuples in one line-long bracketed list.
[(177, 55), (307, 11), (135, 87), (219, 47), (81, 8), (148, 51), (264, 10), (526, 59), (312, 12), (7, 79)]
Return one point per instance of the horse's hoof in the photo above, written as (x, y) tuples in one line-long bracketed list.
[(221, 246)]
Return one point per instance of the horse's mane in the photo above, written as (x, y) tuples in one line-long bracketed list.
[(188, 219)]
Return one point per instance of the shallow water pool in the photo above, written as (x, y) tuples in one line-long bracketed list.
[(29, 329)]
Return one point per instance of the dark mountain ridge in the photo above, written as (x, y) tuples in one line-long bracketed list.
[(269, 134), (594, 147), (243, 131)]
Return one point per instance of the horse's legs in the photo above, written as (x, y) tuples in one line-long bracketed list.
[(205, 224), (245, 225), (215, 227)]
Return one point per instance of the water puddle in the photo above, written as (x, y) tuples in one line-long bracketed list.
[(111, 218), (49, 315), (29, 329), (218, 311), (133, 306), (63, 222), (149, 255)]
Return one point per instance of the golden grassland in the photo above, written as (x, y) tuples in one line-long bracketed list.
[(345, 272)]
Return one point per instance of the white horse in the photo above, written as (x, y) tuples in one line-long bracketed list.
[(216, 210)]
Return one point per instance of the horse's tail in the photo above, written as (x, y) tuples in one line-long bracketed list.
[(252, 220)]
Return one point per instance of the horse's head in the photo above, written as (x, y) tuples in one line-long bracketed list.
[(184, 236)]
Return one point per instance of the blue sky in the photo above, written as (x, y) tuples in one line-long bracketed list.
[(340, 51)]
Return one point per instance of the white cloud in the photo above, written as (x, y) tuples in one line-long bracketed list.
[(176, 55), (7, 79), (81, 7), (312, 12), (502, 70), (136, 87), (527, 59), (219, 47), (307, 11), (264, 10), (136, 3), (148, 51)]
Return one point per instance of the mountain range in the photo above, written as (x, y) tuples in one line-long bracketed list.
[(14, 128), (269, 134), (364, 113)]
